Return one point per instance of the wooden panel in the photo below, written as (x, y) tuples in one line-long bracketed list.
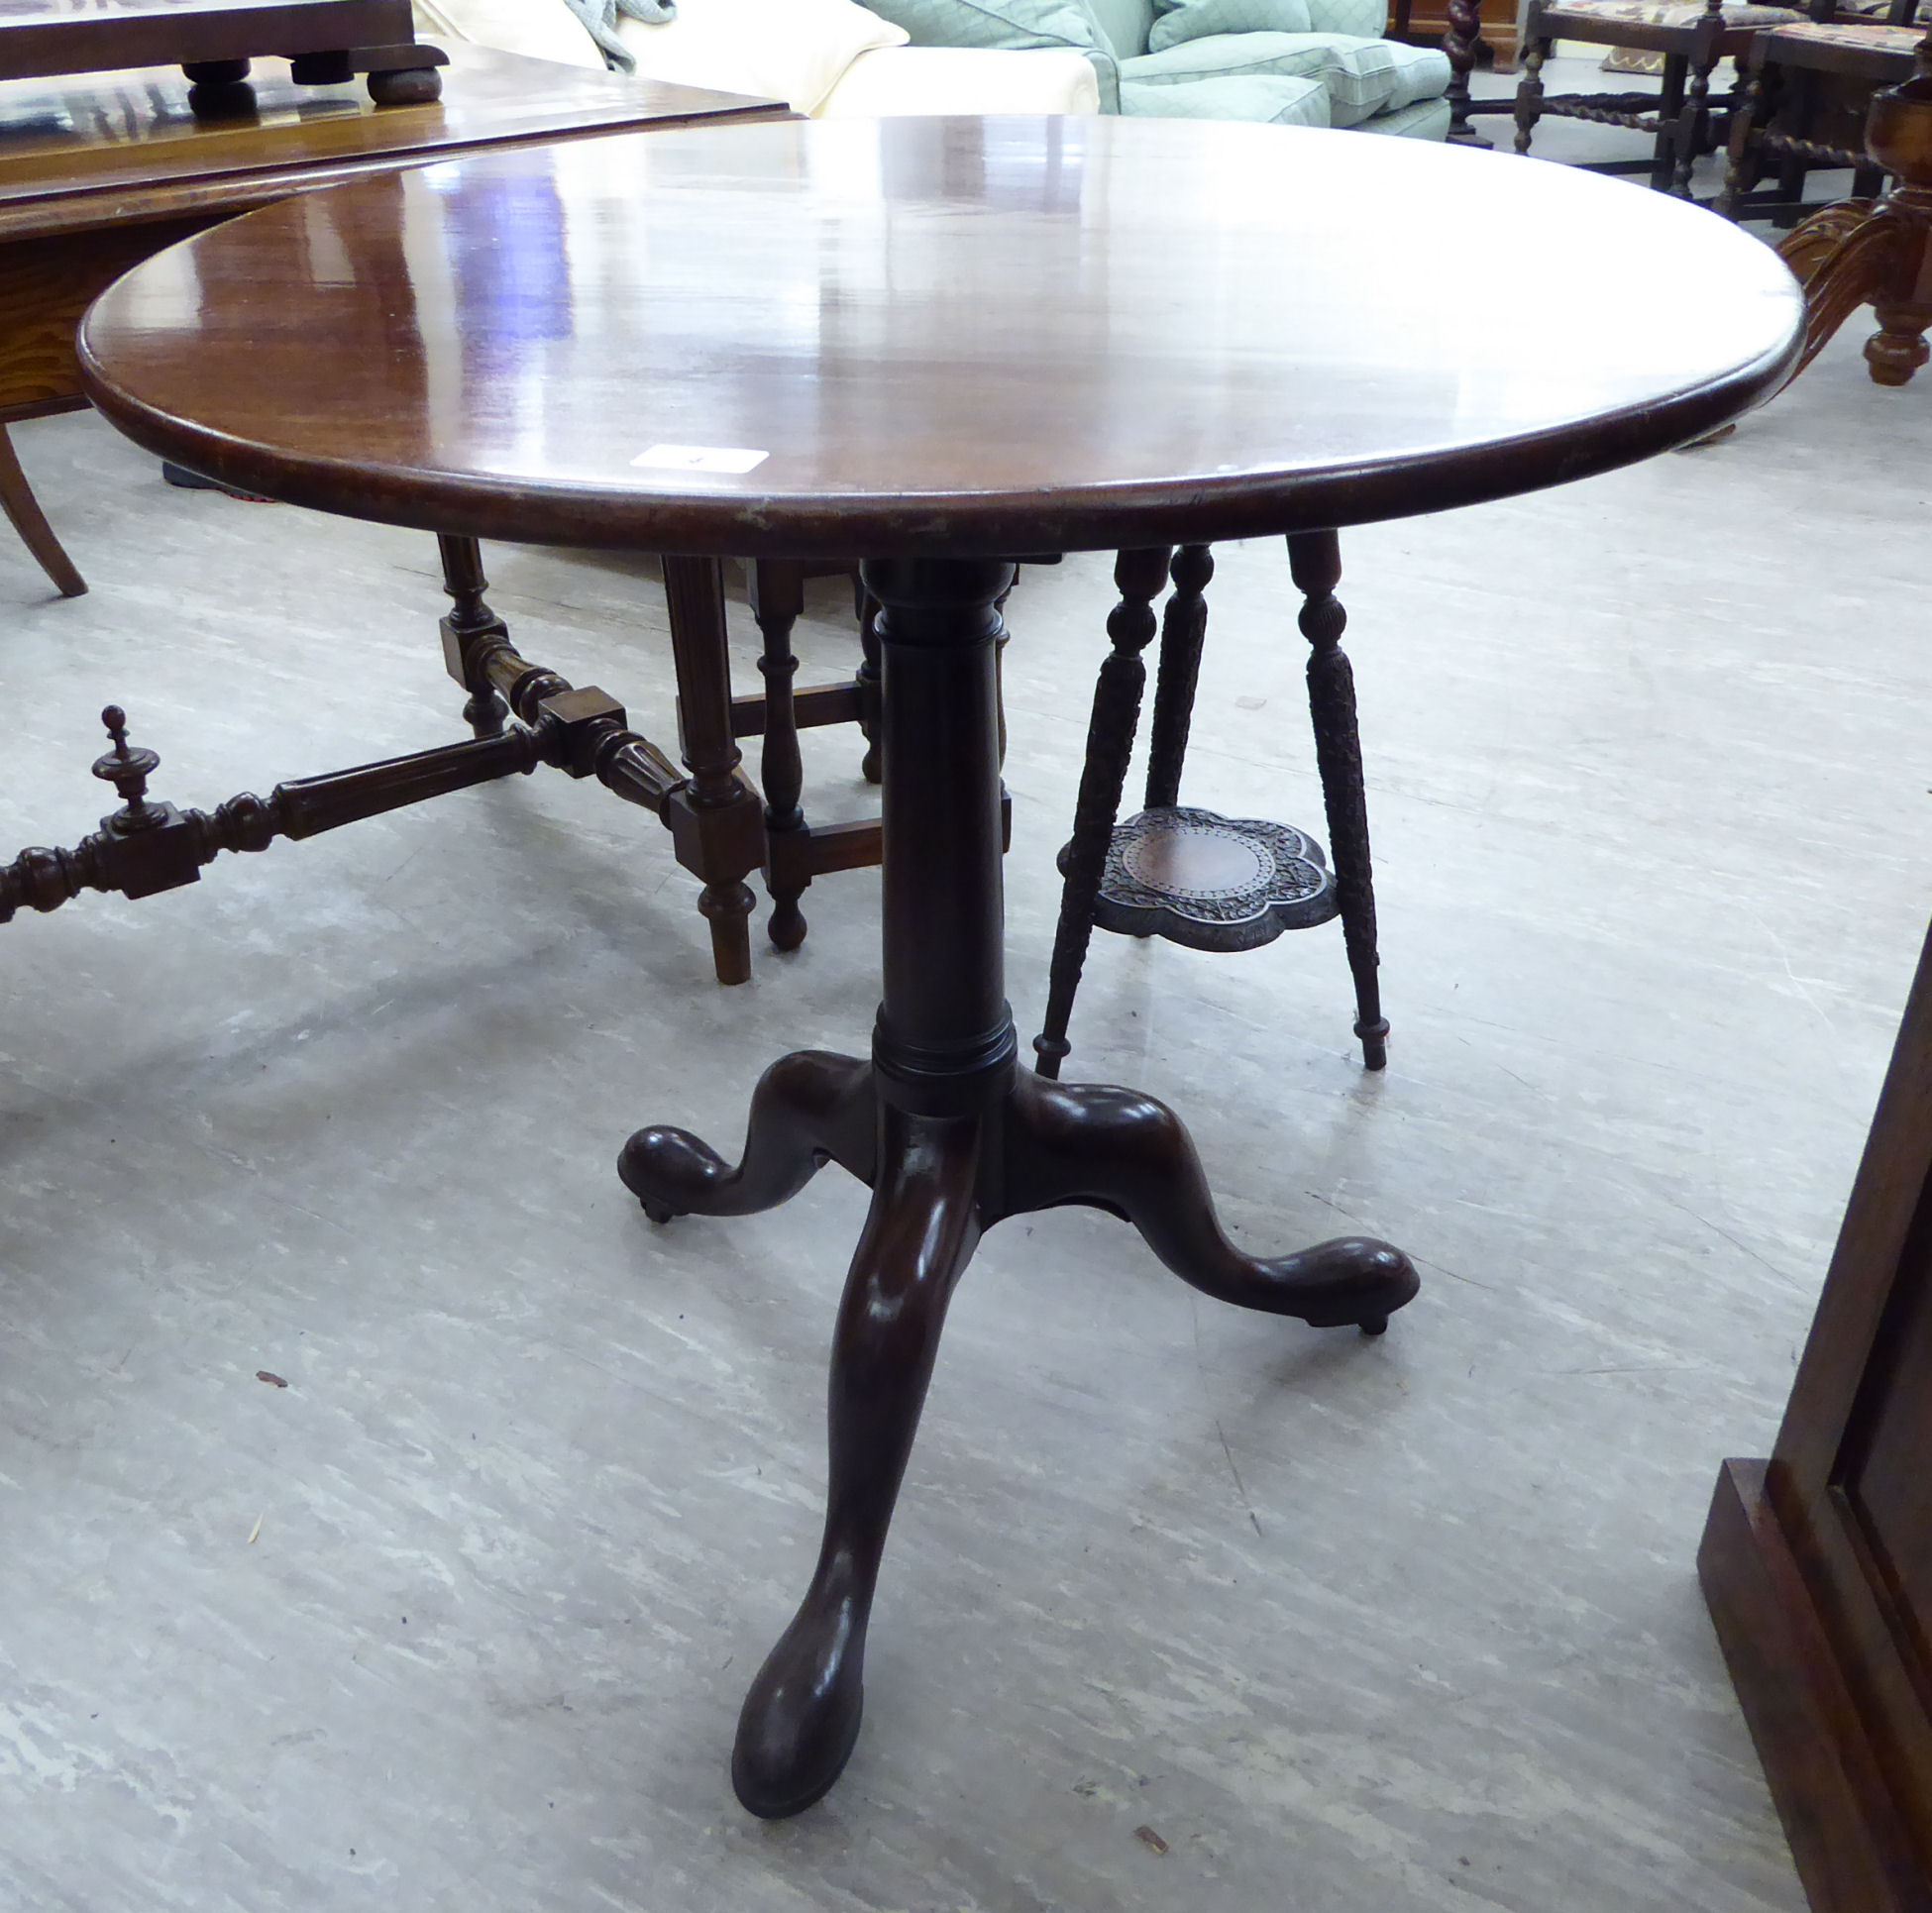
[(1847, 1835), (1819, 1567), (46, 284), (1889, 1479)]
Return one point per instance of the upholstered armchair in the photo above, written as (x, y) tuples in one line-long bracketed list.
[(1305, 63)]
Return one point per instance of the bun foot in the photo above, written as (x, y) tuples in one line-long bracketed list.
[(801, 1720)]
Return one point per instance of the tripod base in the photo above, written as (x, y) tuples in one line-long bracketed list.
[(938, 1182)]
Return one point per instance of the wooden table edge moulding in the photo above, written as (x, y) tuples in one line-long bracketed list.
[(915, 339)]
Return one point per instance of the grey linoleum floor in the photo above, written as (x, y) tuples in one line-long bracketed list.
[(461, 1618)]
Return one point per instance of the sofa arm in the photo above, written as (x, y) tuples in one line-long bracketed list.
[(536, 28), (893, 80)]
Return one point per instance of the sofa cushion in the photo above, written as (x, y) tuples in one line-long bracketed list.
[(1183, 19), (1382, 76), (1123, 24), (1363, 77), (1010, 23), (1364, 19), (1276, 100), (893, 80), (796, 51), (1228, 55), (1426, 120)]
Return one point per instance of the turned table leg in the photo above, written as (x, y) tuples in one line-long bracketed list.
[(1315, 562), (1138, 576), (1183, 631), (468, 629), (951, 1138), (24, 512), (717, 822), (777, 602)]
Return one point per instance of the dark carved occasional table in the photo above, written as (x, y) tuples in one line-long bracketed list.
[(944, 344)]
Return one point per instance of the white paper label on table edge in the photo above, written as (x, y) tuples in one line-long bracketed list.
[(702, 457)]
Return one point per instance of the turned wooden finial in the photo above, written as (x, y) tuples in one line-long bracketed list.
[(128, 771)]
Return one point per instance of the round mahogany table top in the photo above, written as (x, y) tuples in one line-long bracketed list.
[(976, 337)]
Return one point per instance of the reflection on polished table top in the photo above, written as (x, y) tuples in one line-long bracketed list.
[(1004, 335), (111, 148), (942, 344), (100, 173)]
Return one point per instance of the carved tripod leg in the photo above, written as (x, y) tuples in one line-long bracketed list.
[(1120, 1150), (1314, 561), (777, 601), (1864, 263), (1806, 246), (1183, 628), (810, 1108), (1138, 575), (471, 624), (24, 512), (801, 1718)]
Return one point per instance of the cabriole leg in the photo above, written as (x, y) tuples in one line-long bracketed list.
[(801, 1718)]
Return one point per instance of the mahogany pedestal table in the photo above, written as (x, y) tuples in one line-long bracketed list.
[(947, 344)]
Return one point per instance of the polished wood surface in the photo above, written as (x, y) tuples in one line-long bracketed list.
[(1818, 1563), (98, 175), (1225, 342), (123, 148)]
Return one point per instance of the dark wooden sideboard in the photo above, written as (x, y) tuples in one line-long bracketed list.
[(1817, 1563)]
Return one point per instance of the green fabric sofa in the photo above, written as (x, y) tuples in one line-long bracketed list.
[(1296, 63)]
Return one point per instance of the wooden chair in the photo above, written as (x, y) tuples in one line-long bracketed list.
[(1802, 104), (1692, 36), (1208, 881), (1877, 252)]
